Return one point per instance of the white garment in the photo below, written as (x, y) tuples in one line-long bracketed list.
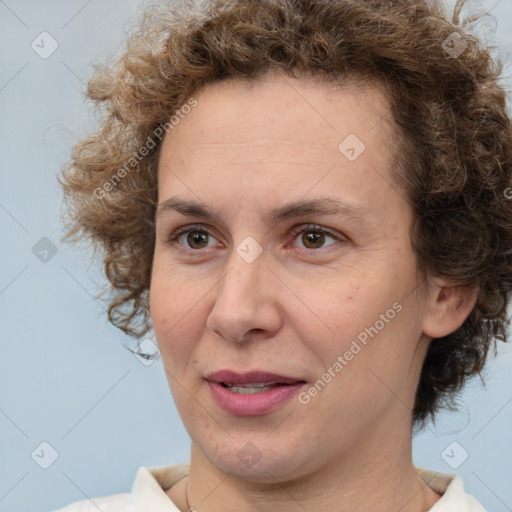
[(148, 493)]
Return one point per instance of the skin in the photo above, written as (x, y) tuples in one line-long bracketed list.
[(243, 150)]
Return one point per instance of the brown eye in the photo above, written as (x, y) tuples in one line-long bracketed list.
[(192, 237), (313, 239), (197, 239)]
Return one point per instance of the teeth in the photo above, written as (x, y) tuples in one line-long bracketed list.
[(257, 384), (250, 388)]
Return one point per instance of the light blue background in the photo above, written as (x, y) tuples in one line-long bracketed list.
[(65, 377)]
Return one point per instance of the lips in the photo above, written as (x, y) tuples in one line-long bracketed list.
[(252, 393)]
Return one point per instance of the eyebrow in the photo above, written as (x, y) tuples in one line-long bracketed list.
[(320, 206)]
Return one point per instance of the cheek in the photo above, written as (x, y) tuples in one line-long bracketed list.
[(371, 363), (369, 323), (337, 312), (175, 307)]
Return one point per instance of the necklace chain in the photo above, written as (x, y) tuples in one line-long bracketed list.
[(189, 508)]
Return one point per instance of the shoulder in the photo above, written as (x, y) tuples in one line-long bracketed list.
[(113, 503), (452, 490), (147, 489)]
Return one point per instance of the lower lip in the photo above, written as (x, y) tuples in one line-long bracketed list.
[(254, 404)]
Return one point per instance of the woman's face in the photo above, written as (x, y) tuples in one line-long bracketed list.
[(293, 270)]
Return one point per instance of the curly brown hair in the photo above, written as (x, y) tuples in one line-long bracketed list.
[(454, 142)]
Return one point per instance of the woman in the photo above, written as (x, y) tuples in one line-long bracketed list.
[(307, 202)]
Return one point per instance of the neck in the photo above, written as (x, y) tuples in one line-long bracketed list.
[(370, 477)]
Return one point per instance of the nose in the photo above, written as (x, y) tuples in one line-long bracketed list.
[(246, 301)]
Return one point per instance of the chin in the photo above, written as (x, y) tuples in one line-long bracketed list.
[(260, 462)]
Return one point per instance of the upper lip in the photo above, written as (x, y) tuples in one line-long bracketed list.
[(250, 377)]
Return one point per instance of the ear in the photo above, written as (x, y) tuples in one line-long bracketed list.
[(447, 307)]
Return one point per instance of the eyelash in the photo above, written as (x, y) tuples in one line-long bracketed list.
[(303, 228)]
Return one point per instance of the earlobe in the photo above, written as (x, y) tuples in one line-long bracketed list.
[(447, 307)]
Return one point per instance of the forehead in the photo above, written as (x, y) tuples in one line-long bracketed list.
[(287, 114), (278, 137)]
